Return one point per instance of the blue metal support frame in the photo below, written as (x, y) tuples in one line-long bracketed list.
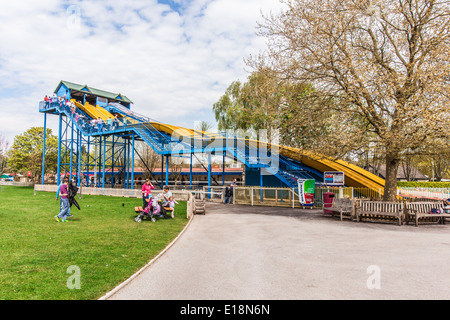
[(190, 174), (167, 170), (132, 164), (80, 154), (209, 175), (128, 165), (162, 171), (246, 151), (261, 184), (88, 165), (43, 149), (223, 168), (112, 162), (104, 162), (71, 154), (58, 178), (125, 164)]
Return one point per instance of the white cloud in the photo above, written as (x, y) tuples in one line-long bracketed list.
[(173, 65)]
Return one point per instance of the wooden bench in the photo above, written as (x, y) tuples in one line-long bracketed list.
[(140, 209), (421, 211), (380, 211), (344, 207)]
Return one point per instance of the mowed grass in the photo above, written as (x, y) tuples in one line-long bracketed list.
[(102, 241)]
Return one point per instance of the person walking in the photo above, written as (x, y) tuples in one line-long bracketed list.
[(64, 193), (233, 186), (72, 192), (227, 195)]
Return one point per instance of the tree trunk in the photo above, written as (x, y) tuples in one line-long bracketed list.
[(390, 188)]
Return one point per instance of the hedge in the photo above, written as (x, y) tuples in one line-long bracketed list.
[(416, 184)]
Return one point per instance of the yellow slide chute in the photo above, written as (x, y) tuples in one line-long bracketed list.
[(106, 114), (354, 176), (93, 112)]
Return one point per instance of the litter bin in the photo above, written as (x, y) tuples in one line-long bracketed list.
[(327, 201)]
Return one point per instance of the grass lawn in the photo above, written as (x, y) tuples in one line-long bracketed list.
[(102, 240)]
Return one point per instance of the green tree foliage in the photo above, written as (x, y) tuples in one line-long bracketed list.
[(27, 150), (385, 62), (249, 105), (305, 118)]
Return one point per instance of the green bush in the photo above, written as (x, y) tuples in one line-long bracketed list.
[(417, 184)]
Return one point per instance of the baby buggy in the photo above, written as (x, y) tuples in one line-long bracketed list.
[(152, 211)]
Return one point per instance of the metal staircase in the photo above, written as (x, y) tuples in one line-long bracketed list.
[(153, 138), (285, 170)]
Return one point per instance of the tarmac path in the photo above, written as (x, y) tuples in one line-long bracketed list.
[(261, 253)]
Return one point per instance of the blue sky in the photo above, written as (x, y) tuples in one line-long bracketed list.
[(173, 59), (175, 5)]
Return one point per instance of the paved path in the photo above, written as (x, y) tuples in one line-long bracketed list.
[(242, 252)]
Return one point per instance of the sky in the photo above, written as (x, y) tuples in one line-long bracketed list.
[(173, 58)]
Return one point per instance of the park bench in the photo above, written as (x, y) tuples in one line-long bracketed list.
[(140, 209), (416, 211), (380, 211), (344, 207)]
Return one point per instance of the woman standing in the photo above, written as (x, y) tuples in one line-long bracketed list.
[(147, 188)]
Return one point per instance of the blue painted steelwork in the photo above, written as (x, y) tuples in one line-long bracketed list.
[(118, 142), (58, 179), (132, 163), (43, 149), (167, 170)]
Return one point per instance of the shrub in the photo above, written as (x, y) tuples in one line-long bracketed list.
[(417, 184)]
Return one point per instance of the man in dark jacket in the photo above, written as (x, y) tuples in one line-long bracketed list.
[(73, 190)]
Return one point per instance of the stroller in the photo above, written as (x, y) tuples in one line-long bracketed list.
[(151, 211)]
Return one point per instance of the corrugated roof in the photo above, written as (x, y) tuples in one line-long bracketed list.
[(93, 91)]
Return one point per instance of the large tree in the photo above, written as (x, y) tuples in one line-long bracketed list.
[(385, 63), (261, 103), (27, 150), (248, 105)]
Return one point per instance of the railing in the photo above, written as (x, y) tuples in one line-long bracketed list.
[(130, 113), (245, 151), (283, 197), (82, 122), (424, 193), (347, 192), (152, 136)]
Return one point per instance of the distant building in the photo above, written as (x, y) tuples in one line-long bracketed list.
[(402, 174)]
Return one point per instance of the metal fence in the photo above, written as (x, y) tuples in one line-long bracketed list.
[(283, 197), (424, 193)]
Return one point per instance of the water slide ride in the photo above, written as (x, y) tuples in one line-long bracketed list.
[(295, 163), (354, 175)]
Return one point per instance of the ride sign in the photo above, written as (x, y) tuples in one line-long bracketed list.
[(306, 190), (333, 179)]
